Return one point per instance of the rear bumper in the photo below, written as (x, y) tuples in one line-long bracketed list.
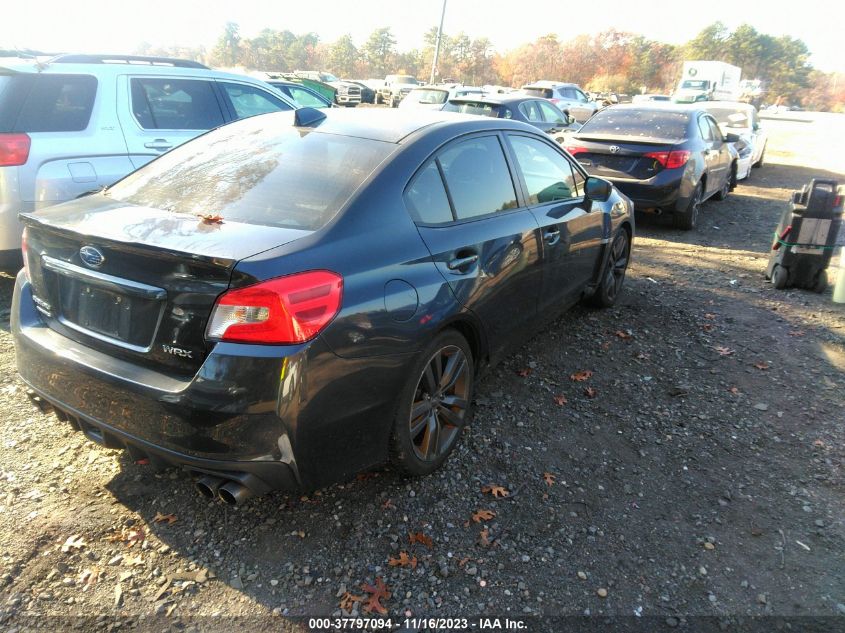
[(284, 417), (10, 206), (669, 190)]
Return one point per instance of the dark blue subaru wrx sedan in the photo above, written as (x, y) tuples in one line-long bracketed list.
[(298, 296)]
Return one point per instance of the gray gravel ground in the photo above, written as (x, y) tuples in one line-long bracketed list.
[(688, 481)]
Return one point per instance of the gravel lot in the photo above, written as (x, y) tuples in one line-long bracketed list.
[(697, 471)]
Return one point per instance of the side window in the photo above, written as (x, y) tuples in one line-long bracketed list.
[(704, 128), (548, 175), (505, 112), (715, 131), (250, 100), (580, 96), (174, 104), (305, 98), (550, 113), (530, 111), (569, 94), (58, 103), (426, 197), (478, 178)]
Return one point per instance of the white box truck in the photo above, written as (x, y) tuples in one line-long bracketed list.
[(708, 81)]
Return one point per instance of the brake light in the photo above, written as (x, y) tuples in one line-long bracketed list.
[(575, 150), (284, 310), (670, 160), (24, 251), (14, 149)]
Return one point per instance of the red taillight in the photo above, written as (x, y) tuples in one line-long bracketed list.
[(291, 309), (575, 150), (14, 149), (24, 250), (670, 160)]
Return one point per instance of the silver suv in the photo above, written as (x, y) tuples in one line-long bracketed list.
[(76, 123), (568, 97)]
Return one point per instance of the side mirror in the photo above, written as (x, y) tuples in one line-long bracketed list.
[(570, 119), (730, 137), (597, 189)]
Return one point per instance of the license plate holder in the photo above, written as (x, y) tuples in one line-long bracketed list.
[(101, 311)]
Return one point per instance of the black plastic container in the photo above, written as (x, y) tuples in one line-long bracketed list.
[(806, 237)]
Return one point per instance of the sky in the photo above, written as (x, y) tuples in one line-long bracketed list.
[(90, 26)]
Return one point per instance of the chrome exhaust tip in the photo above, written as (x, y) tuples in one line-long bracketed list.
[(234, 493), (208, 486)]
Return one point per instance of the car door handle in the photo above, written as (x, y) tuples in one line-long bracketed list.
[(461, 263), (160, 144), (551, 235)]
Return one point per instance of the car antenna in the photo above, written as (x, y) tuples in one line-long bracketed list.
[(308, 117)]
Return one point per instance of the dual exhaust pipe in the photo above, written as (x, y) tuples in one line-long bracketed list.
[(230, 492)]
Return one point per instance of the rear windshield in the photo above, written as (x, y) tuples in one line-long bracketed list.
[(731, 117), (428, 97), (260, 170), (543, 93), (472, 107), (696, 84), (643, 123), (46, 103)]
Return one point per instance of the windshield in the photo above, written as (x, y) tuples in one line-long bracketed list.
[(641, 123), (260, 170), (426, 96), (731, 117), (472, 107), (695, 84), (545, 93)]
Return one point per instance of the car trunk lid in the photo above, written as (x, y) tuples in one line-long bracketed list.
[(616, 157), (137, 282)]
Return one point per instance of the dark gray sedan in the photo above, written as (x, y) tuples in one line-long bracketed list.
[(541, 113)]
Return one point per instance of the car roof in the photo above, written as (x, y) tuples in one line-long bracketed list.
[(497, 99), (545, 83), (395, 125)]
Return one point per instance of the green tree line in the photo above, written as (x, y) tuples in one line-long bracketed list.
[(611, 60)]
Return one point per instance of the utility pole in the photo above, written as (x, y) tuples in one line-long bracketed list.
[(437, 44)]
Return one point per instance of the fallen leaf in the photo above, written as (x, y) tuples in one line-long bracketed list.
[(159, 518), (421, 538), (581, 376), (89, 578), (762, 365), (463, 562), (734, 390), (73, 542), (483, 515), (560, 400), (524, 372), (709, 315), (724, 351), (366, 476), (549, 479), (144, 461), (590, 392), (130, 536), (211, 218), (484, 538), (707, 327), (403, 561), (387, 505), (348, 600), (496, 491), (625, 336), (378, 592)]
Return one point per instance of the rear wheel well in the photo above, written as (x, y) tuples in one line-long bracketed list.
[(470, 332)]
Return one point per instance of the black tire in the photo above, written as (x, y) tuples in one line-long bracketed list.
[(688, 218), (618, 256), (729, 184), (434, 406), (780, 277), (759, 162)]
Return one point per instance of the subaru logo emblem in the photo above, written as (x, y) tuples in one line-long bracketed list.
[(91, 256), (614, 149)]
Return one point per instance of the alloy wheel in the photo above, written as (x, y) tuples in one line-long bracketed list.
[(617, 265), (440, 403)]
